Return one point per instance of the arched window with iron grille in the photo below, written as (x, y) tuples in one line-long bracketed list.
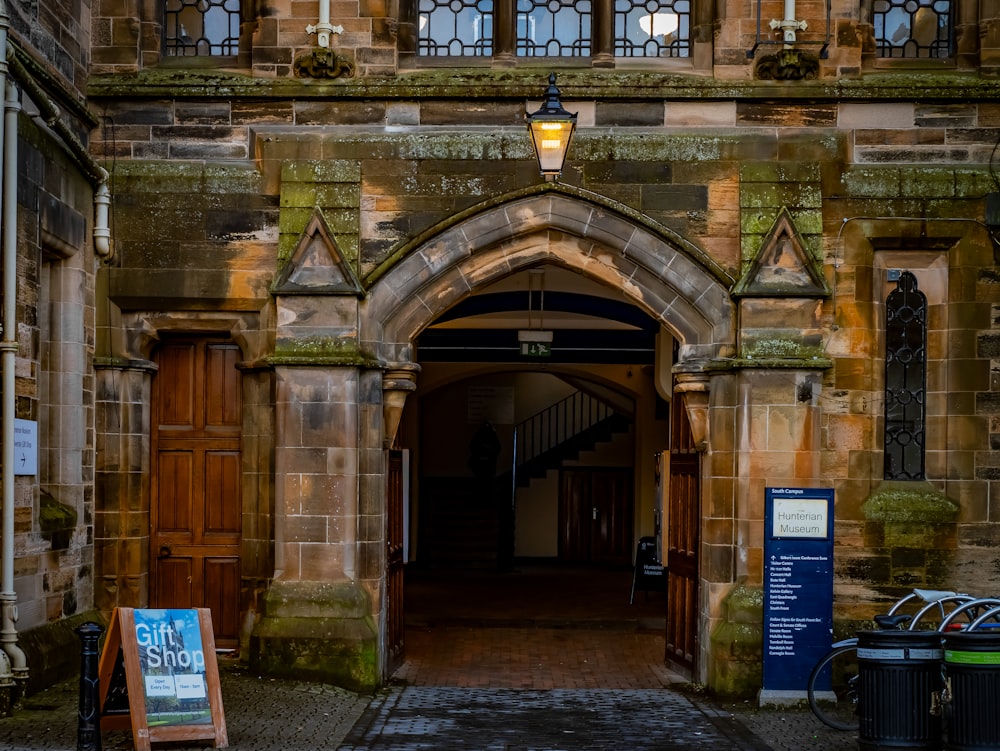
[(905, 380)]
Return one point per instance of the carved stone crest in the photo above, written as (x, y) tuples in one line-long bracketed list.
[(322, 62)]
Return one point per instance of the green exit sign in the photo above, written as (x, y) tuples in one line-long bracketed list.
[(536, 349)]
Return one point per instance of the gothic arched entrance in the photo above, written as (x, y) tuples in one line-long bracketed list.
[(671, 283)]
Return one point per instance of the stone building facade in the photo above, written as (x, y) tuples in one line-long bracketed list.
[(294, 223), (54, 232)]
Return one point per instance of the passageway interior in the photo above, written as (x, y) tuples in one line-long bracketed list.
[(560, 371)]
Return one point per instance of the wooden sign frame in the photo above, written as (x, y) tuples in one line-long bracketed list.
[(123, 680)]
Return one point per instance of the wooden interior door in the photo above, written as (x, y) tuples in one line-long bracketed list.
[(595, 515), (681, 541), (395, 632), (196, 509)]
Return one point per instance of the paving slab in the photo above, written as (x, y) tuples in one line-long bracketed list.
[(265, 714), (262, 714), (416, 718)]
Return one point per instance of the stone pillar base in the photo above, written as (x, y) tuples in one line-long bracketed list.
[(318, 631), (737, 645)]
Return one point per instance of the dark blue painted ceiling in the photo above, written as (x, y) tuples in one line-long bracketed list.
[(576, 345)]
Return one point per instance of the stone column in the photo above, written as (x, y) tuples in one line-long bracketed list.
[(604, 40), (989, 37), (504, 35), (317, 620), (122, 470), (765, 432)]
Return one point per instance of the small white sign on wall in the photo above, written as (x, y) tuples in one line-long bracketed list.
[(25, 447)]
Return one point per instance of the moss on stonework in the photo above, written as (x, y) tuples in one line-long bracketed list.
[(181, 177), (781, 348), (737, 644), (322, 350), (779, 172), (888, 181), (57, 521), (697, 254), (322, 171), (526, 82), (909, 502), (319, 631), (53, 515)]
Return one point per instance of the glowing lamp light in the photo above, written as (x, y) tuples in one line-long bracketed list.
[(551, 129), (659, 24)]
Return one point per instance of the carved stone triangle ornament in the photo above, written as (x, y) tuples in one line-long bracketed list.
[(783, 267), (317, 265)]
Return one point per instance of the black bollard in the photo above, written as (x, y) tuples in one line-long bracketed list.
[(88, 733)]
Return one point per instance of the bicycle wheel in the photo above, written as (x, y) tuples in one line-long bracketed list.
[(833, 688)]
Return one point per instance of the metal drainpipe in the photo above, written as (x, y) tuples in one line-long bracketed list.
[(788, 25), (8, 607), (323, 29), (49, 114), (8, 352)]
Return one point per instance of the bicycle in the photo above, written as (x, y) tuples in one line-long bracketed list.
[(832, 689)]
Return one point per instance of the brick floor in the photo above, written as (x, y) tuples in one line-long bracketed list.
[(538, 627), (534, 658)]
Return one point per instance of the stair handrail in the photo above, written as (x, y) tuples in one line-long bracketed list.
[(551, 427)]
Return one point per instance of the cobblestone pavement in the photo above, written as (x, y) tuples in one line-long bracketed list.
[(262, 714), (462, 719)]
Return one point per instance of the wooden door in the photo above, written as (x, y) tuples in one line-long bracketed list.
[(395, 632), (681, 541), (196, 503), (595, 515)]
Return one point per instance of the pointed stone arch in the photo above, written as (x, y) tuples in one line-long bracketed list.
[(669, 283)]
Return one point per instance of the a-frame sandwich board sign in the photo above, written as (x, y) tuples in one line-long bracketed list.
[(159, 677)]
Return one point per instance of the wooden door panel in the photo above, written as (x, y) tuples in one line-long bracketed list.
[(222, 588), (174, 475), (196, 506), (222, 403), (175, 582), (395, 624), (683, 519), (222, 493), (681, 593), (595, 515), (574, 513), (611, 496), (176, 378)]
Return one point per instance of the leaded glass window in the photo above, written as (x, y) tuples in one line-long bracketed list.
[(455, 28), (201, 27), (913, 29), (649, 28), (905, 379), (553, 28)]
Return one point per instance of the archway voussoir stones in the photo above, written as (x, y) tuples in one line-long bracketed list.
[(687, 277), (610, 231), (445, 248), (571, 214), (663, 278), (664, 275)]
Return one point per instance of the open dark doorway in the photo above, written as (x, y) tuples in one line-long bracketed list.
[(542, 536)]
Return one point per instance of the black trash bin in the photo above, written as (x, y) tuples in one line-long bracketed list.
[(899, 690), (972, 667)]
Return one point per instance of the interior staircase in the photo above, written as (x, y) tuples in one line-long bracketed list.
[(459, 516), (560, 432)]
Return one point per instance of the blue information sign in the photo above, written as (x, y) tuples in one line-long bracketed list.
[(798, 584)]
